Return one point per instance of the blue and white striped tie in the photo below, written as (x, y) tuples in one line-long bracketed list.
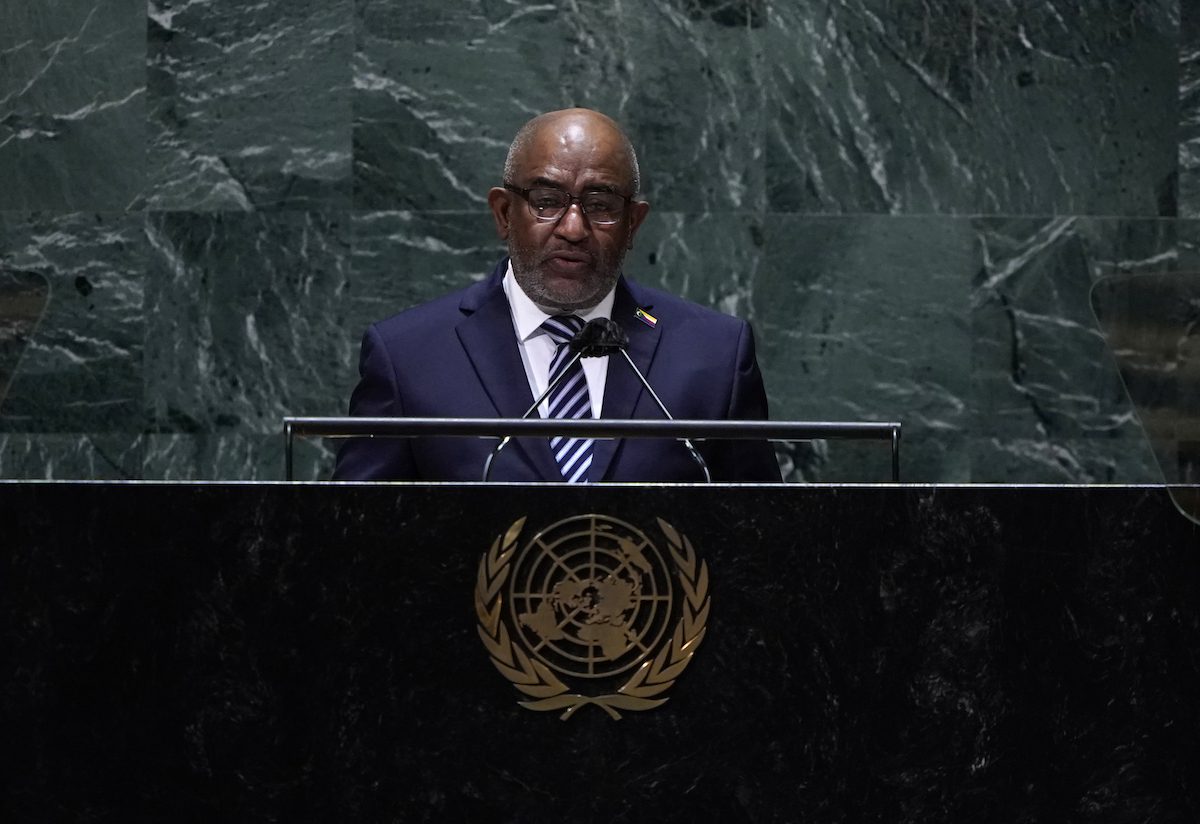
[(569, 399)]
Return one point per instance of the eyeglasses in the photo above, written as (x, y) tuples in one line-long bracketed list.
[(549, 205)]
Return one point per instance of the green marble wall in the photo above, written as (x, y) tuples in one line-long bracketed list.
[(202, 207)]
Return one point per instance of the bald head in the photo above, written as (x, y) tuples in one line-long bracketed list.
[(577, 125)]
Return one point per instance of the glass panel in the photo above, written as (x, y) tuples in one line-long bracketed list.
[(1152, 325), (23, 298)]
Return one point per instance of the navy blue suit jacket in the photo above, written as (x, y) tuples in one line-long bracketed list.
[(457, 356)]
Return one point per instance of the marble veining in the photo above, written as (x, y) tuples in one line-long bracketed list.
[(912, 203), (72, 104), (82, 369), (245, 309), (99, 456), (845, 339), (965, 108), (1189, 111), (249, 105), (441, 89), (1031, 314)]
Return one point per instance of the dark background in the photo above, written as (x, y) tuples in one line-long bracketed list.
[(272, 652)]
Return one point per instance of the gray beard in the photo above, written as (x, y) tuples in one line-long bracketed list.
[(530, 282)]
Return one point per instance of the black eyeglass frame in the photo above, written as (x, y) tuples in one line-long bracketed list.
[(571, 200)]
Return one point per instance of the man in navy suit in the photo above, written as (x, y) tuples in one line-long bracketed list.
[(568, 212)]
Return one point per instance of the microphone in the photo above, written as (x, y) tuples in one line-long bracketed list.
[(600, 337)]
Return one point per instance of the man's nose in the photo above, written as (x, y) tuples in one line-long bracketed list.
[(572, 226)]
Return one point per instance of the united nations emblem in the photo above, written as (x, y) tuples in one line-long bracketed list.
[(591, 611)]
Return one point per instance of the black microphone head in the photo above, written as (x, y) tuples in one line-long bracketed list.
[(599, 337)]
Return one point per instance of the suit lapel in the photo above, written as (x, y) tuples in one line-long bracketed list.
[(622, 389), (486, 333)]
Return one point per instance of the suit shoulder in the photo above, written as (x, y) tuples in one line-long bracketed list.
[(667, 307), (426, 320)]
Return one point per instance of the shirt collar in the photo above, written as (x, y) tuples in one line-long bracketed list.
[(528, 316)]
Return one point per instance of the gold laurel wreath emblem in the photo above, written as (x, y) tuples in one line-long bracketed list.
[(535, 679)]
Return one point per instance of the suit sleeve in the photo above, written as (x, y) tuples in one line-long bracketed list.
[(376, 396), (747, 461)]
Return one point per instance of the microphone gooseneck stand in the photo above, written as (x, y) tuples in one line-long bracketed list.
[(597, 338), (487, 465)]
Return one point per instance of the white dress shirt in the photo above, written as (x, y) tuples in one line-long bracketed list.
[(537, 348)]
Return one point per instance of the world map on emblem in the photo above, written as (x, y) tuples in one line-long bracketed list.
[(591, 596)]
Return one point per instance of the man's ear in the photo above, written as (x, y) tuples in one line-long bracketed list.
[(501, 205), (638, 209)]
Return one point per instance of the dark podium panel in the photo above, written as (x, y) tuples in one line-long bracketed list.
[(286, 653)]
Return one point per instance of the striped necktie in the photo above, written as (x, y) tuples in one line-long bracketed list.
[(569, 399)]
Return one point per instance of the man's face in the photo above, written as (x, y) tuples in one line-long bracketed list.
[(569, 264)]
